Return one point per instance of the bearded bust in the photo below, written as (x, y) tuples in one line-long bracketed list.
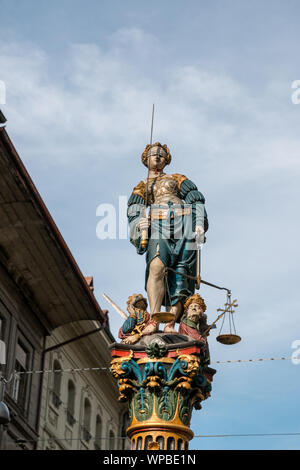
[(193, 321)]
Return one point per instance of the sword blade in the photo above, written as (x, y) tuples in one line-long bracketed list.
[(198, 268), (115, 306), (152, 125)]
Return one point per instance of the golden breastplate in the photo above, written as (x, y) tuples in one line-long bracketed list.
[(163, 189)]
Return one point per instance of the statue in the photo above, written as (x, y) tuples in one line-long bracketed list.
[(133, 327), (193, 322), (177, 214), (162, 377), (165, 375)]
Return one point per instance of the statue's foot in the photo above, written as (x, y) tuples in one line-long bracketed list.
[(169, 328), (152, 327)]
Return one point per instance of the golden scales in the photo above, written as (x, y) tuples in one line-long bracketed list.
[(225, 338), (159, 317), (228, 338), (163, 317)]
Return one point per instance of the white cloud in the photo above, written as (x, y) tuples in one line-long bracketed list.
[(199, 86), (108, 95)]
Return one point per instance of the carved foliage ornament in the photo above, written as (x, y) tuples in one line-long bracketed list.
[(181, 382)]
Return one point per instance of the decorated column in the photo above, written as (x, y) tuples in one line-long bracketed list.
[(162, 383)]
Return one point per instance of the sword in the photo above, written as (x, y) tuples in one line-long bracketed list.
[(115, 306), (144, 239), (199, 244)]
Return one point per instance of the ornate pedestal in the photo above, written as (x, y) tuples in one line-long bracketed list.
[(163, 377)]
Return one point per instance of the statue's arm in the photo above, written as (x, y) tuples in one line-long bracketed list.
[(190, 194), (136, 210), (126, 328), (128, 325)]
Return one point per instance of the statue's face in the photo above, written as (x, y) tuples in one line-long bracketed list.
[(137, 305), (192, 364), (194, 312), (157, 158), (139, 302)]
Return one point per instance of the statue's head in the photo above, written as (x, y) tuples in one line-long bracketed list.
[(156, 156), (192, 364), (195, 307), (137, 305)]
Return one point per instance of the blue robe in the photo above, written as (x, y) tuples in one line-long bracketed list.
[(171, 239)]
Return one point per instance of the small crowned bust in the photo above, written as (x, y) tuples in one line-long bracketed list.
[(133, 328), (193, 321)]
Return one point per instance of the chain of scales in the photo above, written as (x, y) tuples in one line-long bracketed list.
[(162, 190)]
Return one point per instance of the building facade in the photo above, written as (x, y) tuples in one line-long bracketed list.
[(44, 301), (79, 408)]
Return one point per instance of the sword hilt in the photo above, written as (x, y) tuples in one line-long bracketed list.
[(198, 276), (144, 240)]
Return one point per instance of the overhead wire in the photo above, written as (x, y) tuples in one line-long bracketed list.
[(91, 369)]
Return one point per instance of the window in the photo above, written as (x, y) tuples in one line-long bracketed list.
[(71, 403), (2, 345), (139, 443), (98, 433), (171, 443), (5, 338), (87, 413), (56, 384), (125, 423), (86, 420), (112, 440), (20, 380), (160, 440), (148, 440), (180, 444), (2, 328)]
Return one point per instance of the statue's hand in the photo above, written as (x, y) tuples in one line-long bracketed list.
[(131, 339), (200, 235), (199, 229), (144, 223)]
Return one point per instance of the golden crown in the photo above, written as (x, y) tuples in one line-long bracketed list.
[(195, 299)]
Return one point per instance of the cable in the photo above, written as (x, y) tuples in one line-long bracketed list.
[(83, 369), (250, 435), (254, 360), (21, 441), (88, 369)]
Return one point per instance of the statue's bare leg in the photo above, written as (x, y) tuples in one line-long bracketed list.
[(156, 284), (155, 290), (176, 311)]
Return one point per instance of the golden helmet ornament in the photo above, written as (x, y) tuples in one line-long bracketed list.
[(163, 150)]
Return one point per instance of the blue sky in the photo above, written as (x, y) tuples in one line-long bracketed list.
[(81, 78)]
